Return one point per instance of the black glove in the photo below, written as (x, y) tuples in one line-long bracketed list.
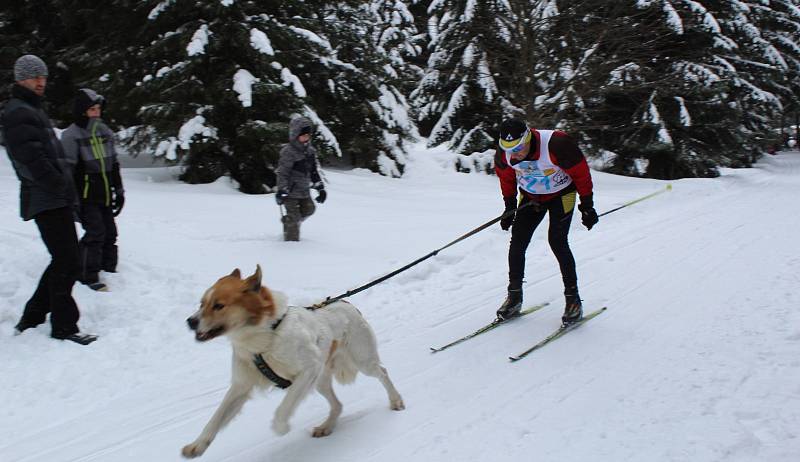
[(511, 205), (118, 201), (588, 214), (321, 196), (280, 196)]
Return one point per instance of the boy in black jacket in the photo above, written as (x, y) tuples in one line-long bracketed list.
[(89, 146)]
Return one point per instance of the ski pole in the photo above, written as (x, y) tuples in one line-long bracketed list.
[(668, 188), (480, 228)]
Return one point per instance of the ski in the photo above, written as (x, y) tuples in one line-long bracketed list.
[(490, 326), (558, 333)]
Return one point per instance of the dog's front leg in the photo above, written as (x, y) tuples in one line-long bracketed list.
[(294, 394), (231, 405)]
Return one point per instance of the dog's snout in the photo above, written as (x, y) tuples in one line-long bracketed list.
[(192, 322)]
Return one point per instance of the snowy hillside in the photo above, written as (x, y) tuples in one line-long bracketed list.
[(696, 359)]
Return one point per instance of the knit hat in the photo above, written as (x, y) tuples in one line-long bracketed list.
[(29, 67)]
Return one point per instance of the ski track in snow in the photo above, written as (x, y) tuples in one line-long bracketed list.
[(696, 358)]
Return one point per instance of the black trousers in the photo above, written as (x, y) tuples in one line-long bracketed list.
[(98, 246), (527, 219), (54, 293)]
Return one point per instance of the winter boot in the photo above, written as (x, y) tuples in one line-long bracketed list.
[(512, 306), (23, 325), (110, 258), (291, 229), (96, 285), (77, 337), (573, 309)]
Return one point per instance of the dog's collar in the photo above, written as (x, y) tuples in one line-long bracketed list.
[(278, 321)]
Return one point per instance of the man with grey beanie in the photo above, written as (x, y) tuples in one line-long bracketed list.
[(47, 196)]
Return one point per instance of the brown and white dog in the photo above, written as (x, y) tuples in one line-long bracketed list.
[(306, 348)]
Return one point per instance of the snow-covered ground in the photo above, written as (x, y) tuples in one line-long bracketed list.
[(696, 359)]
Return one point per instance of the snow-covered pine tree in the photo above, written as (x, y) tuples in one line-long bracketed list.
[(395, 33), (48, 30), (661, 88), (210, 90), (458, 101), (219, 79), (768, 37), (100, 53), (352, 85), (419, 11), (614, 77)]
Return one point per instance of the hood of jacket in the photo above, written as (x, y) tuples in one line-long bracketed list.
[(84, 99), (297, 127)]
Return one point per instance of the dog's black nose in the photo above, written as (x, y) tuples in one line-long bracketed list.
[(192, 323)]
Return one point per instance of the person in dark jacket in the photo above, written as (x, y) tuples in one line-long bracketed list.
[(47, 196), (297, 175), (548, 169), (89, 146)]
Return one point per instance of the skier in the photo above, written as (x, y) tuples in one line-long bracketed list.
[(89, 146), (548, 169), (297, 175), (47, 196)]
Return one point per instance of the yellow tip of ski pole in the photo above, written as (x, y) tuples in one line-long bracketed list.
[(669, 187)]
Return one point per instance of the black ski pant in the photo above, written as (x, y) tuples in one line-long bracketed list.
[(54, 293), (98, 246), (527, 219), (297, 210)]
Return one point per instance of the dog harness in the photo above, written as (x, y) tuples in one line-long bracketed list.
[(267, 371)]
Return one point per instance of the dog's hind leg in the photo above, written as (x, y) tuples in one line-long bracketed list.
[(364, 355), (294, 394), (231, 405), (379, 372), (325, 388)]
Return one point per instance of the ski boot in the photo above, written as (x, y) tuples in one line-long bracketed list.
[(511, 306), (573, 309)]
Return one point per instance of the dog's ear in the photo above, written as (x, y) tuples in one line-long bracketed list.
[(236, 273), (253, 282)]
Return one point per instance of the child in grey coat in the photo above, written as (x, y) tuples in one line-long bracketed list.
[(297, 175)]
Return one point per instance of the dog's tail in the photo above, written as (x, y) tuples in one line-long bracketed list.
[(344, 368)]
